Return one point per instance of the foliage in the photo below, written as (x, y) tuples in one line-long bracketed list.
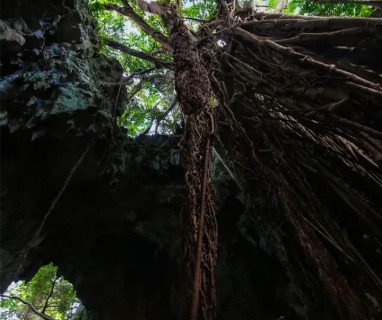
[(200, 9), (149, 100), (150, 94), (146, 91), (272, 4), (47, 291), (327, 8)]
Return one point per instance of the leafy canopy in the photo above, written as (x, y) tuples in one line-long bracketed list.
[(151, 96), (327, 8), (47, 291), (151, 106)]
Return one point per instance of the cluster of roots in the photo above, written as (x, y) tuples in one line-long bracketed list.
[(299, 124)]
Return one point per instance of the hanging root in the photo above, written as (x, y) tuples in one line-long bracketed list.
[(200, 226)]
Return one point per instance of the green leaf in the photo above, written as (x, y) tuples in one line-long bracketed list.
[(45, 288)]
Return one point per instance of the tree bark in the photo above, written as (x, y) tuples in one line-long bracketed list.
[(129, 12), (46, 304), (31, 307), (139, 54), (281, 5)]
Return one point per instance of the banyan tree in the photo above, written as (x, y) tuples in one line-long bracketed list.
[(288, 106)]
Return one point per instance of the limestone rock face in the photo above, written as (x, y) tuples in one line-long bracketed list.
[(51, 70)]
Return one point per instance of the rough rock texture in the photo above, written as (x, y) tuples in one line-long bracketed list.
[(53, 107), (111, 220), (51, 70)]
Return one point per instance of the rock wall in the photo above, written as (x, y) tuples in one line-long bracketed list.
[(54, 83), (53, 104)]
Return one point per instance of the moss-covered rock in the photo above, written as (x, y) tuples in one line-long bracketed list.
[(51, 68)]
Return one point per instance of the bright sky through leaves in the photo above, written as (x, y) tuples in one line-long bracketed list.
[(151, 95)]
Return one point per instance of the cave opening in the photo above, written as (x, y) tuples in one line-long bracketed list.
[(46, 295)]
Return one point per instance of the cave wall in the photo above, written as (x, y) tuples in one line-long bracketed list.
[(75, 190), (104, 208), (53, 106)]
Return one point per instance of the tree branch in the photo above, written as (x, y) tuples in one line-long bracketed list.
[(152, 120), (136, 89), (159, 118), (50, 294), (195, 19), (138, 54), (345, 37), (281, 5), (138, 73), (31, 306), (361, 83), (129, 12)]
